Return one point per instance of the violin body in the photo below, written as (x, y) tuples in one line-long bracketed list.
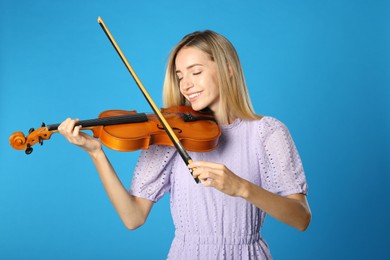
[(198, 135), (126, 131)]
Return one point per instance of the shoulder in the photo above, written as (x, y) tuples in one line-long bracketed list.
[(266, 124), (266, 129), (261, 129)]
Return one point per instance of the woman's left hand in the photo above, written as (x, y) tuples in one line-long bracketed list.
[(218, 176)]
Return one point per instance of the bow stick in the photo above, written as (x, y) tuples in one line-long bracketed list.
[(179, 147)]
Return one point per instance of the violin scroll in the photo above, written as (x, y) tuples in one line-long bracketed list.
[(21, 142)]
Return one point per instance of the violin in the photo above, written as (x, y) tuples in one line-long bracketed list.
[(189, 130), (127, 131)]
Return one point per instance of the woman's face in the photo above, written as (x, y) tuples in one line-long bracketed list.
[(197, 75)]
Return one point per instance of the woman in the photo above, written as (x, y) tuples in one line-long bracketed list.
[(254, 171)]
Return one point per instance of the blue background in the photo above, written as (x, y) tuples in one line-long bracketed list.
[(321, 67)]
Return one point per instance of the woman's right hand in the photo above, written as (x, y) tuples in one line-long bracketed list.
[(72, 133)]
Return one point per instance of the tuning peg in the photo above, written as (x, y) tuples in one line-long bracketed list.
[(40, 141), (29, 149), (43, 124), (31, 130)]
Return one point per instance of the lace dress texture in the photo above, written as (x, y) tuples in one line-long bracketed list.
[(208, 223)]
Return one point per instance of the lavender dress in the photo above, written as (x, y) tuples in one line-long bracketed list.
[(208, 223)]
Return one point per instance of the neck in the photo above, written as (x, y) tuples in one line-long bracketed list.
[(224, 118)]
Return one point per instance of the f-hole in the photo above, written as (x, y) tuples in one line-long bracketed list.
[(173, 128)]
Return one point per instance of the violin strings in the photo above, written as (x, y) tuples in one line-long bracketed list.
[(115, 120)]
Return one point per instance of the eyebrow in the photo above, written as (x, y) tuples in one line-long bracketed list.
[(191, 66)]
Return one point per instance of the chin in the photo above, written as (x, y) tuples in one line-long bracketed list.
[(197, 107)]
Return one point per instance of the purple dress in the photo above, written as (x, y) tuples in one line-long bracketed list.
[(208, 223)]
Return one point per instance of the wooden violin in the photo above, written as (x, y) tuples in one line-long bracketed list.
[(127, 131), (147, 130)]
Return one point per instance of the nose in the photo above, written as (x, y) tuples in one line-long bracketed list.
[(186, 84)]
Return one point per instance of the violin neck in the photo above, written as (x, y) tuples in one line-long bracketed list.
[(115, 120)]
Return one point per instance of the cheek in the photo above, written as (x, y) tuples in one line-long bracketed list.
[(214, 87), (209, 83)]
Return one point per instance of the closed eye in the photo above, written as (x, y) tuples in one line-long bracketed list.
[(179, 76)]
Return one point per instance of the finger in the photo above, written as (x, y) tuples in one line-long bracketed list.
[(76, 130), (61, 127), (70, 125), (196, 172), (205, 173), (69, 129), (64, 126), (207, 182), (199, 164)]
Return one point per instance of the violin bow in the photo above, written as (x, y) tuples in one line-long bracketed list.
[(171, 134)]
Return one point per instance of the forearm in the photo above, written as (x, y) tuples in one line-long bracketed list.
[(292, 210), (132, 210)]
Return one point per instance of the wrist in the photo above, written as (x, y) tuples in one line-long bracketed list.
[(245, 189), (96, 154)]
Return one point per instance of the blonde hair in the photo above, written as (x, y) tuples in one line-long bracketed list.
[(234, 97)]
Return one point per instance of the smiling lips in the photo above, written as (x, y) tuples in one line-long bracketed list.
[(192, 97)]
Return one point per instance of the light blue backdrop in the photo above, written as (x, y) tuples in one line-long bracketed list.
[(321, 67)]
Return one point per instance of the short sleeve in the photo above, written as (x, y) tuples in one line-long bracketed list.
[(151, 178), (281, 165)]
